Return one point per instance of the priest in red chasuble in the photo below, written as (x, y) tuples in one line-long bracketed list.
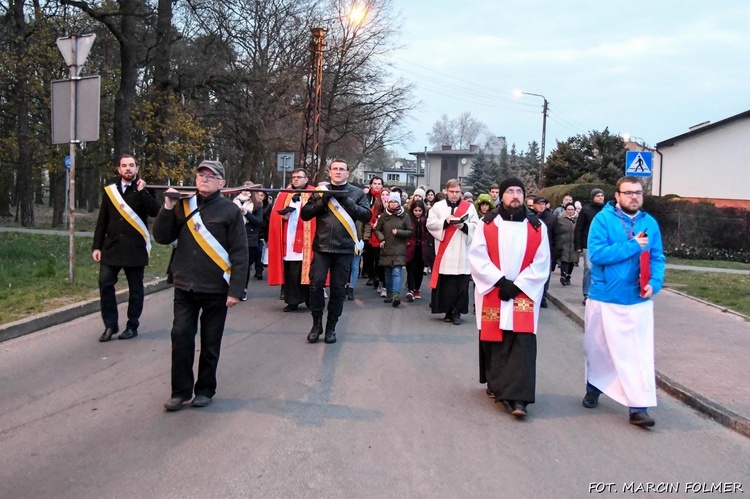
[(509, 258)]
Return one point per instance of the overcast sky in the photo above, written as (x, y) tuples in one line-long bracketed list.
[(647, 68)]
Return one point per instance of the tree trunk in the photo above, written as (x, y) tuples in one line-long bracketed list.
[(125, 97), (57, 195), (6, 182), (24, 177)]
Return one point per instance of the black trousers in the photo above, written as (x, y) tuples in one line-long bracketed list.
[(339, 265), (189, 308), (107, 280), (415, 270), (295, 292), (252, 252)]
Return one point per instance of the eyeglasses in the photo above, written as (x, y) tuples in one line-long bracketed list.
[(631, 194), (208, 176), (298, 177)]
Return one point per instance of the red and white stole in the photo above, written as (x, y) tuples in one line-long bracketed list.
[(463, 207), (523, 306)]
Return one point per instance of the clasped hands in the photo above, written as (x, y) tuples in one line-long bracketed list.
[(507, 289)]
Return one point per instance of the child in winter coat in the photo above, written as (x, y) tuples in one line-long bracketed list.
[(392, 230)]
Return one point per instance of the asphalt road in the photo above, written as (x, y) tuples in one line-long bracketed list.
[(393, 409)]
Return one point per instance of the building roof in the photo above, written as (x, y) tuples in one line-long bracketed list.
[(702, 129)]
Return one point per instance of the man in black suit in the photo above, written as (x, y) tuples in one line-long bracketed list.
[(121, 241)]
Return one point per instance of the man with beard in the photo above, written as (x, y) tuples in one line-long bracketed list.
[(290, 242), (336, 208), (121, 241), (627, 259), (452, 222), (581, 235), (509, 259)]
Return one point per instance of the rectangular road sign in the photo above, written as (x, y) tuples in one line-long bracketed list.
[(285, 161), (639, 163), (87, 110)]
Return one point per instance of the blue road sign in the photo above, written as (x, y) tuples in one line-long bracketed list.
[(638, 163), (67, 161)]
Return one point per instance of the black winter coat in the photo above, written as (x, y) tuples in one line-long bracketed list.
[(585, 217), (330, 234), (120, 243), (191, 268)]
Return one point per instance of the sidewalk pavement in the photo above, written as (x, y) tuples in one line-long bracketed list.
[(701, 351)]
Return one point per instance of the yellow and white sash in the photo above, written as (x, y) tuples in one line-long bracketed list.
[(128, 214), (346, 220), (205, 239)]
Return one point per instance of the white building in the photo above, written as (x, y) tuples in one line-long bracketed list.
[(710, 162)]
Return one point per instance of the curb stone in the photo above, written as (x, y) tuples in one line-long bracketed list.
[(68, 313), (718, 413)]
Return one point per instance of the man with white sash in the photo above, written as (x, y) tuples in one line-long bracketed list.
[(335, 209), (208, 271), (509, 259), (627, 269), (122, 242)]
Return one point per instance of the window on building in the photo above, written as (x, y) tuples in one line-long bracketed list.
[(393, 177)]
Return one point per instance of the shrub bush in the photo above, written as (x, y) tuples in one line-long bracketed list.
[(580, 192)]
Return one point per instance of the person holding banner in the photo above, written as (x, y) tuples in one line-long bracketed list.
[(451, 222), (510, 259), (336, 209), (122, 242), (208, 271)]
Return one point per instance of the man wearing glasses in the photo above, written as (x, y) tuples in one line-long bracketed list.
[(290, 241), (208, 271), (336, 210), (625, 249)]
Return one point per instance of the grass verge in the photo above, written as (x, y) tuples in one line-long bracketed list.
[(34, 273), (728, 290), (709, 263)]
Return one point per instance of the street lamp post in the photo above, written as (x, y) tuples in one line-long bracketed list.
[(545, 107)]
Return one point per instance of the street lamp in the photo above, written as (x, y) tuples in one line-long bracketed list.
[(311, 128), (545, 107)]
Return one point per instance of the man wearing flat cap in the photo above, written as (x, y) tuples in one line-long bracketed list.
[(509, 258), (208, 270)]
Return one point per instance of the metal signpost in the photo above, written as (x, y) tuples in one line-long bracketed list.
[(284, 163), (75, 49)]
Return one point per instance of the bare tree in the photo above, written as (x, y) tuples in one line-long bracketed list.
[(443, 133), (458, 133)]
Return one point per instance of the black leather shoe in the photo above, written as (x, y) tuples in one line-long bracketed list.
[(590, 401), (127, 334), (448, 317), (290, 308), (330, 337), (316, 330), (642, 419), (457, 319), (543, 304), (489, 393), (175, 403), (201, 401), (350, 294), (107, 334), (519, 410)]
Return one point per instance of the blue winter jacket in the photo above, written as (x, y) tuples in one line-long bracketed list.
[(615, 255)]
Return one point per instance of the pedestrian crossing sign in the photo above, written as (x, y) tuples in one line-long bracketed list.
[(638, 163)]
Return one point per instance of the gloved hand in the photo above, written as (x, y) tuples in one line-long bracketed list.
[(507, 288), (288, 209)]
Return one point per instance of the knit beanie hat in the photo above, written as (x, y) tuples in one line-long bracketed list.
[(419, 192), (394, 196), (595, 192), (511, 182)]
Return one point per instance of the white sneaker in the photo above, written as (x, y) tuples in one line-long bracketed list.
[(325, 293), (383, 293), (380, 289)]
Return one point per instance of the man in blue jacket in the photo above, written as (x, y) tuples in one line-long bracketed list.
[(619, 331)]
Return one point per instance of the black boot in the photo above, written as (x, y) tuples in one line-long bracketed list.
[(331, 329), (317, 328)]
